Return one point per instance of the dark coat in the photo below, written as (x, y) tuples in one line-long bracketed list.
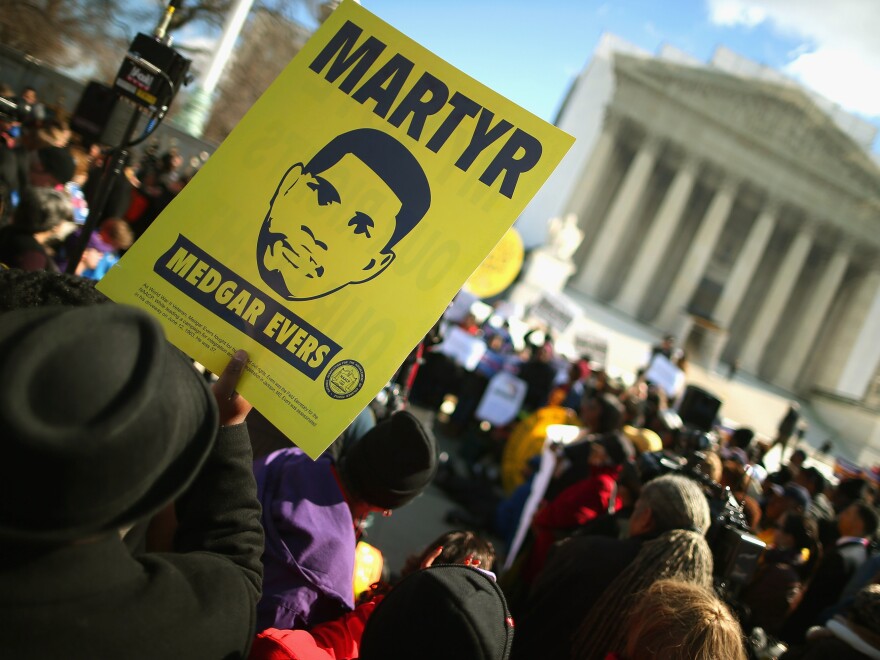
[(95, 600), (834, 571), (577, 571), (19, 249), (773, 592)]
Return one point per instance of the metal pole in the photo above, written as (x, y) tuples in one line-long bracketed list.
[(198, 106), (114, 167)]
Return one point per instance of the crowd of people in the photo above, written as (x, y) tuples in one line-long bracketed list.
[(147, 512), (624, 509), (50, 178)]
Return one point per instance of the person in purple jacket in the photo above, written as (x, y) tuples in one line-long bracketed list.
[(313, 509)]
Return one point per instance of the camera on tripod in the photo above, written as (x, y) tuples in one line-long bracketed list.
[(151, 73), (150, 76)]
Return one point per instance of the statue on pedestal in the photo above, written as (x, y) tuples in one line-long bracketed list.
[(564, 237), (549, 267)]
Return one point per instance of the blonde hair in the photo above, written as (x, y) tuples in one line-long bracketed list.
[(674, 620)]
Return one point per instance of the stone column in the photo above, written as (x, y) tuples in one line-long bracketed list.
[(811, 321), (700, 251), (617, 223), (594, 171), (656, 242), (773, 304), (854, 352), (740, 276), (859, 369)]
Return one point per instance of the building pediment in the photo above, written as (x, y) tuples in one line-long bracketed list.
[(779, 118)]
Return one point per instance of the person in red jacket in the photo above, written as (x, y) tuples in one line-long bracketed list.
[(334, 640), (582, 501)]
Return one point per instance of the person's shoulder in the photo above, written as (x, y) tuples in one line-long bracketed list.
[(285, 455), (282, 461), (596, 544), (852, 552), (291, 474)]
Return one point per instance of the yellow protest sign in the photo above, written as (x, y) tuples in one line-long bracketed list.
[(332, 227), (500, 268)]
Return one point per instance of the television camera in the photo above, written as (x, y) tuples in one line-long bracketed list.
[(149, 78), (735, 550)]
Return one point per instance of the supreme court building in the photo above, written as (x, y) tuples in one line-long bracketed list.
[(728, 206)]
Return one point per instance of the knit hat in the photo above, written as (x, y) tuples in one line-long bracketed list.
[(112, 421), (392, 463), (676, 502), (58, 162), (619, 449), (442, 612)]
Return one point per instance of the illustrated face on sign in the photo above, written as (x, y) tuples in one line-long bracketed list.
[(335, 221)]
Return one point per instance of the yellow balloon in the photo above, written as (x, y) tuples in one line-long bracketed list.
[(500, 268)]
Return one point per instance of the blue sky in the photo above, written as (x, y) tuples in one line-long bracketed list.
[(530, 51), (535, 49)]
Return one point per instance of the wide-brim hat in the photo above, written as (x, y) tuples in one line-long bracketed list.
[(102, 422)]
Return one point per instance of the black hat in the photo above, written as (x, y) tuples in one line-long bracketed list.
[(446, 611), (392, 463), (102, 422), (619, 448), (58, 162)]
